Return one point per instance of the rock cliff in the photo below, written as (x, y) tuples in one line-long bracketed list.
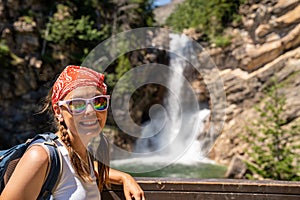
[(264, 46)]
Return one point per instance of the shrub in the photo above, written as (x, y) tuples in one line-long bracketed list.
[(273, 147), (62, 27), (210, 17)]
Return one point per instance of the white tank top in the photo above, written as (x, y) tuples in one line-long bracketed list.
[(70, 186)]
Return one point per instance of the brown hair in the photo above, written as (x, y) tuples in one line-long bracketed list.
[(82, 168)]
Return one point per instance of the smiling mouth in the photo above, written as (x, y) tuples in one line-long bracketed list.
[(89, 123)]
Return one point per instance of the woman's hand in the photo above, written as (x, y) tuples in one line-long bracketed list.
[(132, 190)]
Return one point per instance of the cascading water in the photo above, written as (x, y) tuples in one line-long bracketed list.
[(170, 138), (176, 138), (168, 144)]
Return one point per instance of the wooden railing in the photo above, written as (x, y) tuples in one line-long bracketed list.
[(211, 189)]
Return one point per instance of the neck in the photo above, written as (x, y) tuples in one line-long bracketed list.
[(78, 145)]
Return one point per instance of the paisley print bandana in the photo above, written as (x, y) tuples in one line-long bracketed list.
[(73, 77)]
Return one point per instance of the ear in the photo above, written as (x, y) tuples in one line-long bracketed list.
[(57, 113)]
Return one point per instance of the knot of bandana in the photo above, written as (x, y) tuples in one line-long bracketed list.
[(73, 77)]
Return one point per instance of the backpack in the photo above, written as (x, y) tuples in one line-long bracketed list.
[(9, 159)]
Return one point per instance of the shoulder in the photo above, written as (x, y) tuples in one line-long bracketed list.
[(36, 154), (29, 175)]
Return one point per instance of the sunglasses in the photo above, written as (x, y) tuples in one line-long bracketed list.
[(78, 105)]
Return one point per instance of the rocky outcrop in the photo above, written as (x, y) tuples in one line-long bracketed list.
[(23, 76), (243, 92), (266, 46), (163, 12), (268, 29)]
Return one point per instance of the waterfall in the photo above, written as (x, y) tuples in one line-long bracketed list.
[(170, 134)]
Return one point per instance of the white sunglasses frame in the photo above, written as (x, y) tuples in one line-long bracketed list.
[(87, 102)]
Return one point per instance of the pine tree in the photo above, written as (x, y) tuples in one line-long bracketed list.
[(274, 152)]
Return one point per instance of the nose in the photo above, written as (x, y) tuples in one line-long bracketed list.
[(89, 108)]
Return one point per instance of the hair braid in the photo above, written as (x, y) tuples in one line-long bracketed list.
[(102, 167), (82, 168)]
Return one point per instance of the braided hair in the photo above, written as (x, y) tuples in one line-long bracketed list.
[(101, 168)]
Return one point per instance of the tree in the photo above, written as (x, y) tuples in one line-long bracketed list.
[(209, 17), (75, 27), (274, 152)]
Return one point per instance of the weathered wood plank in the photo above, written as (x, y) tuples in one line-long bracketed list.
[(173, 195), (216, 196), (217, 189)]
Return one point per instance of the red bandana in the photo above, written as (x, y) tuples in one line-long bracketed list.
[(73, 77)]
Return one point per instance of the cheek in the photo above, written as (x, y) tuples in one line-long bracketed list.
[(102, 118), (68, 119)]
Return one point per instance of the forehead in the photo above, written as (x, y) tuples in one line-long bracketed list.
[(83, 92)]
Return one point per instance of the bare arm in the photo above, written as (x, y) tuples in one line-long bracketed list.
[(28, 177), (130, 186)]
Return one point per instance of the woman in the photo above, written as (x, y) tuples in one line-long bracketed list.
[(79, 103)]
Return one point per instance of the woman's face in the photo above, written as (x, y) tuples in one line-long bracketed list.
[(89, 123)]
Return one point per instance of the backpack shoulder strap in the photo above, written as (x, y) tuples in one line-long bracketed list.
[(8, 161), (55, 164)]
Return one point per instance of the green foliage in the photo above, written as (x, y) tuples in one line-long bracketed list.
[(4, 49), (28, 19), (221, 41), (73, 33), (123, 66), (210, 17), (4, 54), (78, 26), (7, 57), (274, 150), (63, 28)]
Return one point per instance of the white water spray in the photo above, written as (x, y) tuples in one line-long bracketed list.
[(176, 138)]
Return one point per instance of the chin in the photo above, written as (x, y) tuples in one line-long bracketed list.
[(89, 133)]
